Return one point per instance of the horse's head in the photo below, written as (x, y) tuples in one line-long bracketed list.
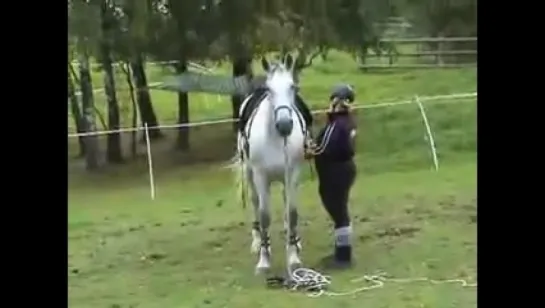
[(282, 89)]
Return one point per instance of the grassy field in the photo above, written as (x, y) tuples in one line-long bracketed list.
[(316, 82), (191, 246)]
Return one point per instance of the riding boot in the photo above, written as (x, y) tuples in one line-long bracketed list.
[(343, 254), (343, 244)]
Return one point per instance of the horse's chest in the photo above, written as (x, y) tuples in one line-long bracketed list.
[(272, 156), (263, 153)]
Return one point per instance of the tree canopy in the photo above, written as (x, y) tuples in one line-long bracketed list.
[(133, 31)]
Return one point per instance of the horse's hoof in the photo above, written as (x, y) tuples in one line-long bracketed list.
[(262, 270), (263, 265), (295, 265)]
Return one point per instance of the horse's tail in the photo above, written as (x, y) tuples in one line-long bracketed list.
[(239, 167)]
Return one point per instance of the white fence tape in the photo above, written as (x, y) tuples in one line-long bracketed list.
[(436, 99), (196, 66)]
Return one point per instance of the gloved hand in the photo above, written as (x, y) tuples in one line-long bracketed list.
[(337, 104), (310, 149)]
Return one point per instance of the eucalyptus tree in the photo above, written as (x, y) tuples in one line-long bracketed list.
[(354, 24), (134, 33), (239, 19), (108, 27), (83, 18), (75, 109), (441, 17), (311, 30), (180, 18)]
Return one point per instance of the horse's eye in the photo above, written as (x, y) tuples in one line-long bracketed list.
[(295, 87)]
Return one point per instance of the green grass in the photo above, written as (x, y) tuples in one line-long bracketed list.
[(190, 247)]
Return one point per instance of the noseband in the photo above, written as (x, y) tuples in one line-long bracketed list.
[(277, 109)]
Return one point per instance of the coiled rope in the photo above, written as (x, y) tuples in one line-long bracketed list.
[(315, 284)]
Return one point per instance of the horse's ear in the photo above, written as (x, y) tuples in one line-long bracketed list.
[(288, 62), (265, 64)]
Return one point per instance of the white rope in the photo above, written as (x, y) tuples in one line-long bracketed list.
[(438, 99), (316, 284)]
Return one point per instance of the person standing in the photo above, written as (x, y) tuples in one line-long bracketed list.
[(333, 154)]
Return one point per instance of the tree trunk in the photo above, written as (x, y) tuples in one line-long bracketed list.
[(134, 120), (182, 140), (363, 50), (241, 67), (88, 103), (143, 98), (76, 114), (113, 149)]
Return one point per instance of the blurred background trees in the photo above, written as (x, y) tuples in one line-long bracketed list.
[(127, 33)]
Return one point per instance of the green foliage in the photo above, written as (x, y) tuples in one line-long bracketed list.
[(442, 17), (83, 25), (215, 30)]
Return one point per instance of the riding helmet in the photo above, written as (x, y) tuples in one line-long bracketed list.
[(344, 92)]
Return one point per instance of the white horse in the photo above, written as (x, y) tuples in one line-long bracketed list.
[(271, 148)]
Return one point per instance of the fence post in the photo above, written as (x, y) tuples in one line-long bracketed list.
[(150, 163), (440, 48), (429, 133)]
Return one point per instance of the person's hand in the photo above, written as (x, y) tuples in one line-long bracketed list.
[(332, 104), (348, 106), (310, 149), (339, 104)]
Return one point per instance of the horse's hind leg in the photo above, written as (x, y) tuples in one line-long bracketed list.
[(293, 246), (262, 187)]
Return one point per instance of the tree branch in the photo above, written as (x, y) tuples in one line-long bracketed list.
[(73, 72), (308, 61)]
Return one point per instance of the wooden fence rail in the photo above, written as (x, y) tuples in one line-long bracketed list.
[(438, 55), (418, 40)]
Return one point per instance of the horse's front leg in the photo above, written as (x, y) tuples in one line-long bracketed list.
[(293, 245), (262, 188), (256, 228)]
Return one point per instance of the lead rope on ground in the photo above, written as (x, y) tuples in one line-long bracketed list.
[(316, 284)]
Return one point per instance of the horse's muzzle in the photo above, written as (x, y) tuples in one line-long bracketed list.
[(284, 126)]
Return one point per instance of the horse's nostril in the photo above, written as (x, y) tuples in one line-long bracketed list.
[(284, 127)]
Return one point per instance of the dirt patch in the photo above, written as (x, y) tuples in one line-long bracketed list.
[(153, 256), (229, 227), (406, 231), (391, 232), (190, 222)]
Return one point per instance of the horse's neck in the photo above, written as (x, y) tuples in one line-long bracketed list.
[(263, 116)]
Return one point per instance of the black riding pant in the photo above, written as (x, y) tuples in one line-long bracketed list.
[(336, 179)]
